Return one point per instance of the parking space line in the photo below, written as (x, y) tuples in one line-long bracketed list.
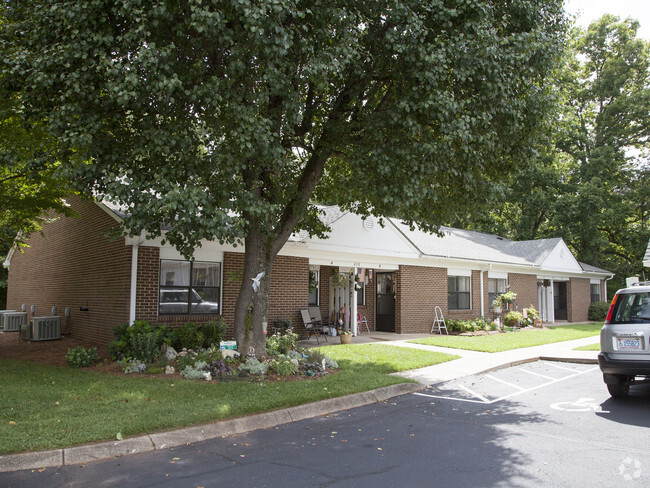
[(440, 397), (512, 385), (477, 395), (485, 401), (561, 367), (545, 384), (536, 374)]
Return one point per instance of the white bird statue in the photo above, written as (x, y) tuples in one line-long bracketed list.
[(256, 281)]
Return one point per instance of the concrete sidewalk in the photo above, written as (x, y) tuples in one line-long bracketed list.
[(470, 363)]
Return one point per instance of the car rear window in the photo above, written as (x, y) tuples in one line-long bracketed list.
[(632, 308)]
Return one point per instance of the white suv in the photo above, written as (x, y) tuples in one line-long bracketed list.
[(625, 340)]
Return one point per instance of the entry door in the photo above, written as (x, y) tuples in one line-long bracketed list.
[(560, 300), (385, 302)]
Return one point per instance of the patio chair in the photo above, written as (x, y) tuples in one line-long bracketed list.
[(439, 323), (312, 326), (361, 321)]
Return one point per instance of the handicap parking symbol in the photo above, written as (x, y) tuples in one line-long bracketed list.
[(580, 405)]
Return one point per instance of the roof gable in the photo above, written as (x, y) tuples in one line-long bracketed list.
[(350, 233), (561, 259)]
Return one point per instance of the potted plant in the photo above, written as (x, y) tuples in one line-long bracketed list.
[(497, 304), (346, 336)]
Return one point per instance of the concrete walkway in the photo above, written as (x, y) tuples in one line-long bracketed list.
[(470, 363)]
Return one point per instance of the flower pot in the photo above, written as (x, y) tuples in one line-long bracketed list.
[(346, 339), (496, 309)]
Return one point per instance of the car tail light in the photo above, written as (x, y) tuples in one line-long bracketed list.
[(611, 309)]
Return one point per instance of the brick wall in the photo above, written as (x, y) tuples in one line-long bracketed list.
[(525, 286), (419, 290), (578, 299), (289, 288), (74, 265)]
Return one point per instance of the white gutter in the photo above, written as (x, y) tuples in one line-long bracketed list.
[(134, 278)]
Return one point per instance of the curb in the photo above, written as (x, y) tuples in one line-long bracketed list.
[(162, 440), (557, 359)]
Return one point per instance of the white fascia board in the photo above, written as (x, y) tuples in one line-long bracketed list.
[(113, 215)]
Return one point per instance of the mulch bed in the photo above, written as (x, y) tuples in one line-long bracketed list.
[(45, 352), (53, 353)]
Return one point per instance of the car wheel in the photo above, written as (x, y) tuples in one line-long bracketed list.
[(619, 390)]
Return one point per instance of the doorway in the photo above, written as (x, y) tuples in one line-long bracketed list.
[(385, 313), (560, 300)]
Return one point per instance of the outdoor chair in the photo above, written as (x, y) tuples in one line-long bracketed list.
[(311, 325), (361, 321), (439, 323)]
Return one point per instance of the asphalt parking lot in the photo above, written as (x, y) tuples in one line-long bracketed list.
[(536, 424)]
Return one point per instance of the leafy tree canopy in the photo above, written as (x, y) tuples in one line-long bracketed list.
[(225, 119), (590, 186)]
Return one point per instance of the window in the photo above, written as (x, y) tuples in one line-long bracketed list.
[(314, 286), (496, 287), (458, 293), (595, 292), (361, 293), (189, 287)]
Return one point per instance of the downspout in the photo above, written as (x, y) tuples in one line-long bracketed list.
[(606, 280), (134, 278), (482, 297)]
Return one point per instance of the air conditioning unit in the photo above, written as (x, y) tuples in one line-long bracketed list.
[(11, 321), (2, 312), (46, 328)]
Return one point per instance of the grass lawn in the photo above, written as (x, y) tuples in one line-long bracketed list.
[(590, 347), (514, 340), (47, 407)]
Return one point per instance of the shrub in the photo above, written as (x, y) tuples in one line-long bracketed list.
[(281, 343), (598, 311), (480, 323), (196, 336), (513, 319), (195, 372), (80, 357), (284, 366), (253, 367), (219, 369), (146, 346), (122, 346), (133, 366)]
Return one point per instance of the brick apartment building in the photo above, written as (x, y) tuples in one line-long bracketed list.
[(393, 276)]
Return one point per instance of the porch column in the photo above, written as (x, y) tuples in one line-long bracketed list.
[(353, 304)]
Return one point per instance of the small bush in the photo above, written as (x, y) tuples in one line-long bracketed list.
[(284, 366), (195, 372), (281, 343), (146, 346), (80, 357), (480, 323), (197, 336), (133, 366), (513, 319), (123, 344), (253, 367), (598, 311), (220, 369)]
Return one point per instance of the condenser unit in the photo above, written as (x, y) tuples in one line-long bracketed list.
[(13, 320), (46, 328), (2, 322)]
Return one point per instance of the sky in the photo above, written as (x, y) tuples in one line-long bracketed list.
[(590, 10)]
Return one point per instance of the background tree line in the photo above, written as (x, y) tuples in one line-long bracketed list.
[(590, 184)]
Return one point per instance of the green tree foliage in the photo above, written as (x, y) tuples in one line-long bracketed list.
[(590, 186), (224, 120)]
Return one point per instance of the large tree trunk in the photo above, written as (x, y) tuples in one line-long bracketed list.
[(252, 306)]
